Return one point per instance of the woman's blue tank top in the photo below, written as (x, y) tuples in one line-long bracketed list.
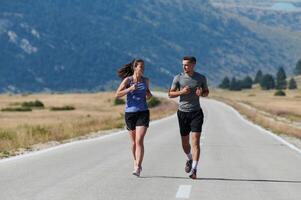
[(136, 100)]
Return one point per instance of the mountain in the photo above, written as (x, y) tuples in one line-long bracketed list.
[(272, 13), (75, 45)]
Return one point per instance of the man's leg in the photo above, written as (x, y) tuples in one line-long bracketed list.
[(186, 144), (195, 141), (187, 149), (185, 130)]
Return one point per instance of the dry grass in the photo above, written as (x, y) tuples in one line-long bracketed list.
[(280, 114), (93, 112)]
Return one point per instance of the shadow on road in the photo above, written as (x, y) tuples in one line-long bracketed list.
[(168, 177), (226, 179), (248, 180)]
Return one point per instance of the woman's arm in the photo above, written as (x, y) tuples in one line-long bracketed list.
[(122, 90), (148, 92)]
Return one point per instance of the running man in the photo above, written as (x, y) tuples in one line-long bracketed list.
[(190, 85)]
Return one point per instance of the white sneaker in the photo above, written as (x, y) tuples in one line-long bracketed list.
[(137, 171)]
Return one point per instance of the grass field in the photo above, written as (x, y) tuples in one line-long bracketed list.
[(92, 113), (280, 114)]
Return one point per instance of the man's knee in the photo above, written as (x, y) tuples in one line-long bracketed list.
[(195, 145), (196, 140)]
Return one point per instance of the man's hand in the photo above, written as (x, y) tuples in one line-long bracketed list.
[(185, 90), (198, 91)]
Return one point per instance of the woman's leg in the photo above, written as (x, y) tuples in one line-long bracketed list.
[(140, 133), (132, 135)]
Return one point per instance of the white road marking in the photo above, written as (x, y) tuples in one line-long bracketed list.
[(183, 192)]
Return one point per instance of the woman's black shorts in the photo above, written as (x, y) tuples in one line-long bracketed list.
[(133, 119), (190, 121)]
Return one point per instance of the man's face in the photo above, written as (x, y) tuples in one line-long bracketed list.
[(188, 67)]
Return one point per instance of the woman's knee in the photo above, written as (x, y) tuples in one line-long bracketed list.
[(139, 143), (133, 144)]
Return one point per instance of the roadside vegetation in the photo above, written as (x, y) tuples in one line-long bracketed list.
[(26, 106), (272, 102), (63, 117), (281, 114)]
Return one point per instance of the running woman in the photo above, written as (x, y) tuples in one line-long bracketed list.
[(136, 88), (190, 85)]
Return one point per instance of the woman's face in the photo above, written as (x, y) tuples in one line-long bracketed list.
[(139, 69)]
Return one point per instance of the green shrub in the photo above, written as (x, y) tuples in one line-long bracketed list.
[(33, 104), (16, 109), (153, 102), (63, 108), (4, 154), (118, 101), (279, 93)]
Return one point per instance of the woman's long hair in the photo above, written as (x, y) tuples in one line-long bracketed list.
[(128, 69)]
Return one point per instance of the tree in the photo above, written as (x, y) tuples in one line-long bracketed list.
[(246, 83), (225, 84), (292, 84), (258, 76), (235, 85), (281, 82), (297, 70), (267, 82)]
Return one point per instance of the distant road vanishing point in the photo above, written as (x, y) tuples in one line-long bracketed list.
[(238, 161)]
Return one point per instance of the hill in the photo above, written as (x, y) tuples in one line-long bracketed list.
[(54, 45)]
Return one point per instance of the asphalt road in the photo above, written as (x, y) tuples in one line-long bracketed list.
[(238, 161)]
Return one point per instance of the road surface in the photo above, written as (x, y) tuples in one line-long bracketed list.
[(238, 161)]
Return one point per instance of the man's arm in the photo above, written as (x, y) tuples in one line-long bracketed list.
[(205, 90), (173, 92)]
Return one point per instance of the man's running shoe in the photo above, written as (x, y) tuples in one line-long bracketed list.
[(137, 171), (193, 174), (188, 166)]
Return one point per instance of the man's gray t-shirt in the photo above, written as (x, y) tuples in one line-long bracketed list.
[(189, 102)]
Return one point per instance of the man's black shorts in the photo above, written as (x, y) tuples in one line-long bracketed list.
[(190, 121), (133, 119)]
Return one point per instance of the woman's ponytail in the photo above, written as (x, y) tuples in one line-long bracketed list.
[(128, 69)]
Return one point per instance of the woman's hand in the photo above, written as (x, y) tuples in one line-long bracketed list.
[(148, 94), (133, 87)]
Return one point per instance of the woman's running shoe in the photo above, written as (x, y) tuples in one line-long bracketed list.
[(137, 171)]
